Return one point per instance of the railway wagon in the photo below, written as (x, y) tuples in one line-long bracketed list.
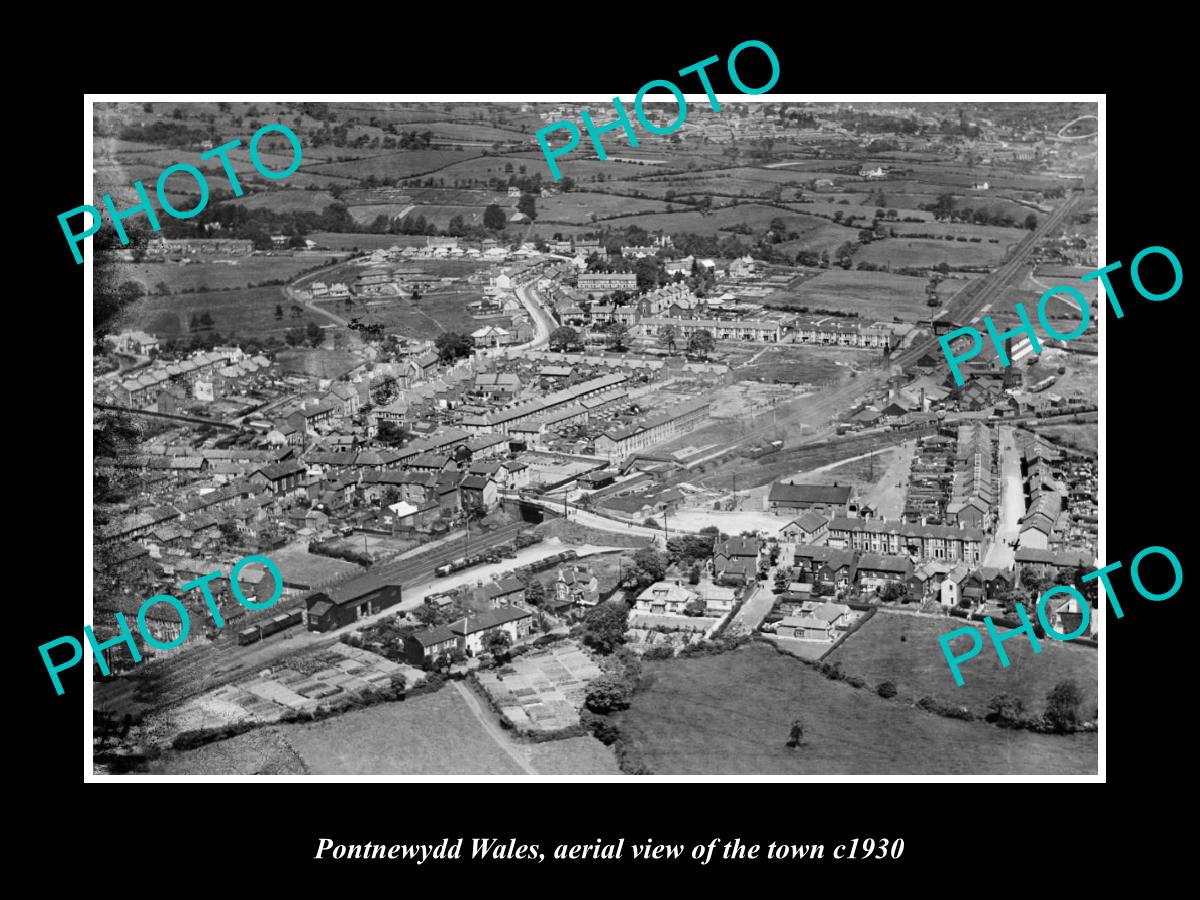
[(272, 626)]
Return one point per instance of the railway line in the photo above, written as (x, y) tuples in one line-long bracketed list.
[(203, 667)]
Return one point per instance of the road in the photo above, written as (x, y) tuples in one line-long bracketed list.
[(289, 291), (542, 323), (1012, 502), (515, 752), (757, 605)]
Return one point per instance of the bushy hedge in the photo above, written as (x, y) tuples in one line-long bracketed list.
[(324, 548), (941, 708)]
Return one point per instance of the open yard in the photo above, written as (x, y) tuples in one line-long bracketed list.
[(918, 668), (801, 364), (730, 715)]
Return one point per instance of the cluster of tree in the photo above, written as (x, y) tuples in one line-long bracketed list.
[(452, 345), (604, 626), (649, 566), (393, 434), (565, 338), (110, 295), (1063, 713), (690, 548), (701, 343), (170, 134), (311, 335)]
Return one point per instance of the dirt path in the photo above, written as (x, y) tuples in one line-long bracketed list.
[(506, 744)]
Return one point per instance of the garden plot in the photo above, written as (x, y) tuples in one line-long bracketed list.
[(297, 683), (542, 691)]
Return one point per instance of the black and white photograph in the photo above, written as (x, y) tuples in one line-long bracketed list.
[(476, 438)]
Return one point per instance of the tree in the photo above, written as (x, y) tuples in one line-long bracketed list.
[(617, 333), (695, 607), (648, 566), (314, 333), (694, 575), (535, 592), (392, 433), (701, 343), (892, 591), (886, 690), (1006, 710), (1031, 221), (604, 626), (668, 334), (497, 642), (451, 345), (527, 205), (607, 694), (278, 311), (563, 338), (795, 733), (493, 218), (1062, 706)]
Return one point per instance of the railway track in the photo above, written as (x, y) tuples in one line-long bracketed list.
[(183, 674)]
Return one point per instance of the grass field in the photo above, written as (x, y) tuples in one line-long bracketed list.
[(392, 164), (918, 668), (916, 252), (435, 734), (218, 276), (424, 318), (578, 207), (817, 234), (287, 200), (320, 363), (243, 313), (799, 364), (1081, 437), (337, 241), (873, 295), (730, 715)]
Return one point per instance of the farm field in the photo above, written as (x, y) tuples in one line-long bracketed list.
[(730, 715), (573, 756), (582, 170), (221, 276), (425, 318), (577, 207), (337, 241), (817, 233), (322, 363), (394, 164), (284, 200), (365, 215), (918, 668), (245, 312), (434, 734), (1080, 436), (917, 252), (873, 295)]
